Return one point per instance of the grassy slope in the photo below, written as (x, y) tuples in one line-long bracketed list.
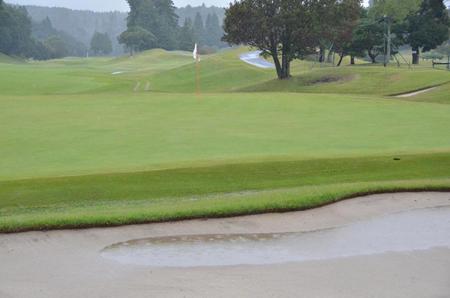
[(72, 117)]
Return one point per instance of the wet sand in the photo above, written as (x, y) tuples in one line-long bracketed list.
[(70, 263)]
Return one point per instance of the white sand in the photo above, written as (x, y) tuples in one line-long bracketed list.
[(411, 94), (69, 263)]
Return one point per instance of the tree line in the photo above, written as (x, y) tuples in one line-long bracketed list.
[(155, 24), (46, 33), (289, 29)]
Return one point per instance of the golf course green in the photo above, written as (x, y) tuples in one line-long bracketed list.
[(113, 141)]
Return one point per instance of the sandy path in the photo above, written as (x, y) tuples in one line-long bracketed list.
[(411, 94), (68, 263)]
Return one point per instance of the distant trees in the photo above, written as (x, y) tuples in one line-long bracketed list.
[(15, 31), (368, 37), (155, 21), (55, 41), (428, 28), (213, 31), (289, 29), (19, 36), (444, 49), (199, 29), (137, 39), (101, 44), (187, 36)]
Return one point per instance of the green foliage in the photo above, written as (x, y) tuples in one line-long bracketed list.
[(199, 30), (186, 39), (101, 44), (428, 28), (397, 10), (137, 39), (214, 31), (277, 28), (444, 49), (42, 31), (156, 17), (15, 30), (368, 36)]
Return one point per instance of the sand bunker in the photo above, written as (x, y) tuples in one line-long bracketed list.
[(254, 58), (375, 246), (407, 231)]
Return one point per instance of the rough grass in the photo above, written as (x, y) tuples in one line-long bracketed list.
[(80, 148)]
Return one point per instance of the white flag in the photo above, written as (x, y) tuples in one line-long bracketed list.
[(195, 54)]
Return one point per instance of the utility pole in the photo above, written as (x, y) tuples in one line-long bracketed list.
[(387, 38)]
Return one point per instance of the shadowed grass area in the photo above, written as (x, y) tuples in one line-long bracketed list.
[(210, 191)]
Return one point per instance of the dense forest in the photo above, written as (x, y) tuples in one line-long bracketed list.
[(49, 32), (82, 25)]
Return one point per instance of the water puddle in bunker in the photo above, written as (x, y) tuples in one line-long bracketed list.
[(408, 231)]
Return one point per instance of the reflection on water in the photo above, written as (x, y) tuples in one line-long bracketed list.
[(413, 230)]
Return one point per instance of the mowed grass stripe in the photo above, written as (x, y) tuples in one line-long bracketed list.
[(102, 214), (179, 183)]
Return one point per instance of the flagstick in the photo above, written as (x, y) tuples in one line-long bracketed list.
[(197, 75)]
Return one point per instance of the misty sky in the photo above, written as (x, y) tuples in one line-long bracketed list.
[(108, 5)]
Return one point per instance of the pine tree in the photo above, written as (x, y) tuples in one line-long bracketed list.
[(199, 29), (157, 18), (213, 30), (186, 39)]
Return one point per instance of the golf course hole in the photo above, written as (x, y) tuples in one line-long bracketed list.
[(419, 229)]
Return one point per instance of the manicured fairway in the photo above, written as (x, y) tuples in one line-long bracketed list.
[(82, 147)]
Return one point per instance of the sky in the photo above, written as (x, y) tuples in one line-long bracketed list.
[(110, 5)]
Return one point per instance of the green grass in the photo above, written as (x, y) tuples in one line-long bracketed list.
[(71, 135), (80, 147), (210, 191)]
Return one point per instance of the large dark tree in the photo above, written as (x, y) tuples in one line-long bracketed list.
[(137, 39), (428, 28), (282, 29), (347, 14), (156, 17), (15, 30), (368, 36)]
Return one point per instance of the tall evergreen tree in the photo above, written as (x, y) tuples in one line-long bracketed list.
[(213, 31), (186, 39), (199, 29), (156, 17)]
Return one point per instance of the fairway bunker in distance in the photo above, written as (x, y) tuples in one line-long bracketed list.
[(420, 229), (254, 58)]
